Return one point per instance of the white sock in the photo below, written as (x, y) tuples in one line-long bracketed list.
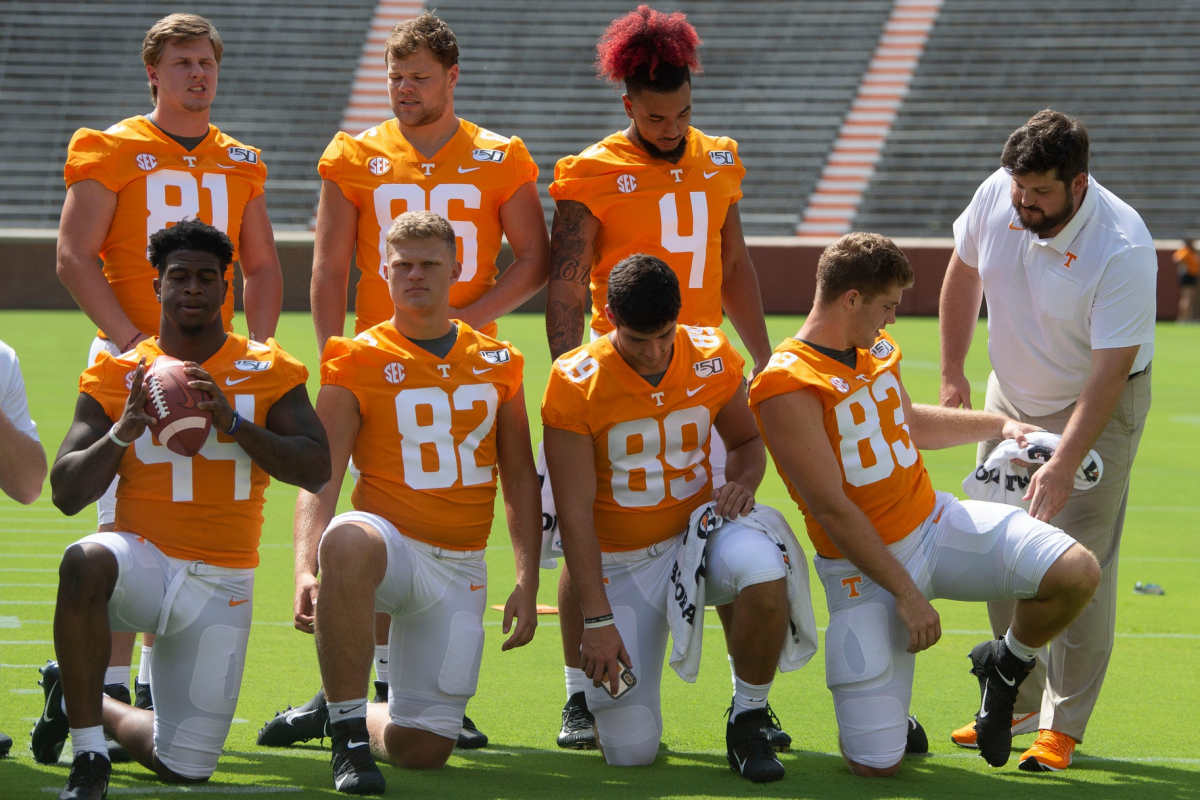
[(748, 696), (143, 676), (732, 672), (351, 709), (381, 663), (116, 675), (89, 740), (1019, 650), (576, 681)]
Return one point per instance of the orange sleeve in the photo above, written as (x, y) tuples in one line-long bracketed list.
[(516, 373), (773, 382), (566, 185), (292, 372), (524, 168), (89, 158), (260, 185), (330, 165), (564, 404), (741, 170), (338, 368), (100, 381)]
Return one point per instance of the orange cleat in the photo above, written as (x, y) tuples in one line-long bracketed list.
[(1023, 723), (1051, 752)]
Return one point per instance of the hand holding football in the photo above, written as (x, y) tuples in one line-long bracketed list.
[(180, 424)]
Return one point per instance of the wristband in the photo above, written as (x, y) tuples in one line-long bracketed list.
[(112, 435), (233, 426), (599, 622), (130, 343)]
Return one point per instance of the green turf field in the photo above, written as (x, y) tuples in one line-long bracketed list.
[(1142, 742)]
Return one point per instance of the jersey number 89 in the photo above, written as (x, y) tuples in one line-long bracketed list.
[(659, 441)]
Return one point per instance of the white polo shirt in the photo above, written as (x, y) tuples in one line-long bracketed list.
[(12, 393), (1052, 301)]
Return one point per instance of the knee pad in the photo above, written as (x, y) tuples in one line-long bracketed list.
[(741, 558), (629, 735)]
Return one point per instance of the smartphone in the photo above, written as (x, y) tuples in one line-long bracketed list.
[(626, 680)]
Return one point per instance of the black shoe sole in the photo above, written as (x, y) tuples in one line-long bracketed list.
[(583, 745), (471, 741), (48, 752), (766, 778)]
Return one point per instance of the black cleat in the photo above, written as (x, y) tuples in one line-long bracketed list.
[(51, 730), (470, 737), (142, 697), (354, 768), (748, 750), (1000, 674), (88, 779), (776, 737), (5, 745), (120, 693), (578, 725), (293, 725), (381, 692), (918, 742)]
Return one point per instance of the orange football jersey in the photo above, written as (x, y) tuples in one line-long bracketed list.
[(426, 449), (158, 183), (882, 470), (467, 182), (209, 507), (651, 442), (646, 205)]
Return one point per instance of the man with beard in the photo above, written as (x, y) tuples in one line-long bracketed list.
[(1069, 274), (661, 188)]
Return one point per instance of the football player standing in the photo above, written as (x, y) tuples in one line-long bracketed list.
[(659, 187), (145, 173)]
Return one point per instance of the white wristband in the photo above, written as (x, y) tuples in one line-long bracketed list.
[(599, 622), (112, 435)]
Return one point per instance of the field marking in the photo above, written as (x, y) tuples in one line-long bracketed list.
[(26, 641), (27, 602), (32, 555), (80, 531), (26, 691), (23, 569), (9, 622), (1168, 509), (23, 666), (1163, 560), (1186, 419), (248, 789), (35, 585)]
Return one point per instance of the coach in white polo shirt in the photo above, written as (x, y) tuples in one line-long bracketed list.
[(1069, 272)]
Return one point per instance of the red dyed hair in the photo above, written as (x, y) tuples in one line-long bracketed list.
[(638, 43)]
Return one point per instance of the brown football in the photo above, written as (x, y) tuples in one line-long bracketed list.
[(180, 424)]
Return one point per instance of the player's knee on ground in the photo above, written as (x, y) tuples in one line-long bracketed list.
[(412, 748), (87, 569), (629, 735), (863, 771)]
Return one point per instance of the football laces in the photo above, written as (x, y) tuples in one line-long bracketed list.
[(158, 397)]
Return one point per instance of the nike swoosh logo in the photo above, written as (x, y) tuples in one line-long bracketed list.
[(357, 744), (708, 175), (939, 516), (691, 392), (462, 171), (226, 166), (983, 703), (480, 371), (1012, 227), (1012, 682), (295, 715), (475, 588), (344, 711), (233, 602), (232, 382)]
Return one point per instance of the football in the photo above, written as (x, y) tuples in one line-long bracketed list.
[(180, 424)]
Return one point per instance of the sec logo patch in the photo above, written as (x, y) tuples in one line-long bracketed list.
[(840, 385), (393, 373), (379, 165), (626, 183), (146, 161)]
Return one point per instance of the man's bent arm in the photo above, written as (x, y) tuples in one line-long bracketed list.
[(958, 311), (262, 278), (740, 294), (87, 461), (522, 508), (800, 444), (337, 229), (568, 294), (291, 446), (524, 225), (86, 217), (746, 455), (22, 463)]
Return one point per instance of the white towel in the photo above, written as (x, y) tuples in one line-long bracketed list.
[(685, 603), (1000, 481)]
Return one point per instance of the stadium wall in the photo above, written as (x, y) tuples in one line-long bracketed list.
[(786, 273)]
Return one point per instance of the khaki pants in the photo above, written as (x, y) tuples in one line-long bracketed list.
[(1070, 670)]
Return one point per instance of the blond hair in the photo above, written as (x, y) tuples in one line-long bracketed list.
[(177, 28), (421, 226), (425, 30), (868, 262)]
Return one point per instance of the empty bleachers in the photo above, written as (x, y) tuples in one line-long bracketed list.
[(284, 80), (778, 77), (1127, 69)]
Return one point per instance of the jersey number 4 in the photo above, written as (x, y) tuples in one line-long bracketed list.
[(695, 243), (182, 482)]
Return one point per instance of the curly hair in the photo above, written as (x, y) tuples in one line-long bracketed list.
[(868, 262), (425, 30), (646, 49), (189, 234), (1050, 140), (643, 293)]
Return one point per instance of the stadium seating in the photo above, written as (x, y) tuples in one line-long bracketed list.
[(1126, 68), (63, 65), (779, 77)]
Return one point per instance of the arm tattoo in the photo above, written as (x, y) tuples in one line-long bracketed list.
[(564, 327), (567, 244)]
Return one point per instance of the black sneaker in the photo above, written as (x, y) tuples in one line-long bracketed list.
[(747, 748), (120, 693), (918, 742), (1000, 674), (5, 745), (578, 725), (470, 737), (293, 725), (51, 730), (776, 737), (354, 768), (142, 697), (381, 692), (88, 779)]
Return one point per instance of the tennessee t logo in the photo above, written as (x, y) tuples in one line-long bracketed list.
[(658, 396), (428, 168), (851, 585), (677, 173), (1070, 257)]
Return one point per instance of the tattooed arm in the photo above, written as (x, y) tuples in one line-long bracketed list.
[(567, 296)]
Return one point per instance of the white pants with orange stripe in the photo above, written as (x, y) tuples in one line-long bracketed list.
[(201, 614)]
